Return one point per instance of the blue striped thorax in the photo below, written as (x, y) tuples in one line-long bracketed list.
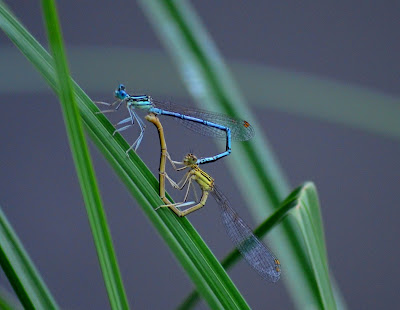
[(140, 102)]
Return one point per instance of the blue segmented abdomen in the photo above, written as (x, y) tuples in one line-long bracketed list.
[(256, 253), (240, 129)]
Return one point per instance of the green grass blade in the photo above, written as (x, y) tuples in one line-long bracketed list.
[(308, 217), (303, 205), (5, 305), (198, 261), (253, 164), (20, 270), (97, 218), (289, 203), (8, 302)]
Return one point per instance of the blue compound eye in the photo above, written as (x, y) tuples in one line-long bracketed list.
[(120, 92)]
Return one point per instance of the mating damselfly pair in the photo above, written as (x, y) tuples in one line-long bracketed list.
[(259, 256), (201, 121)]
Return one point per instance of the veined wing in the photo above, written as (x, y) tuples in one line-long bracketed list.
[(256, 253), (240, 129)]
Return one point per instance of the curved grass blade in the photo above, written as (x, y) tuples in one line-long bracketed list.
[(21, 271), (187, 246), (234, 256), (84, 168), (308, 216)]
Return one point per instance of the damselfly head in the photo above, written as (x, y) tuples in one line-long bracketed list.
[(190, 159), (120, 92)]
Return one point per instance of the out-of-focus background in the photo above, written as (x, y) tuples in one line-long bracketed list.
[(356, 171)]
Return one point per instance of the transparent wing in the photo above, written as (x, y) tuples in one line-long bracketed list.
[(252, 249), (240, 129)]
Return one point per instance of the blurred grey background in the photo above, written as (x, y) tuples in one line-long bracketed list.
[(356, 172)]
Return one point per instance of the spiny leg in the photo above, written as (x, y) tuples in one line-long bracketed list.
[(178, 185), (194, 191), (174, 206), (105, 111), (170, 180), (173, 162), (109, 105), (142, 126), (198, 206), (126, 120), (188, 188), (121, 129)]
